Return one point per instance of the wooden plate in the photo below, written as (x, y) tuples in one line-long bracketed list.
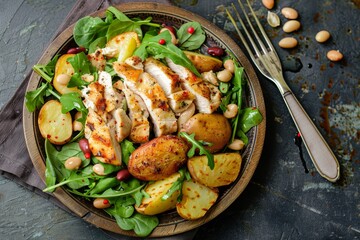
[(170, 222)]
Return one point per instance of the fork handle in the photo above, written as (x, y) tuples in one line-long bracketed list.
[(320, 153)]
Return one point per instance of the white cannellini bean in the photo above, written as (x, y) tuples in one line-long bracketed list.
[(63, 79), (288, 42), (322, 36), (73, 163), (229, 65), (289, 13), (231, 110), (186, 115), (236, 145), (291, 26), (101, 203), (224, 75), (334, 55), (99, 169)]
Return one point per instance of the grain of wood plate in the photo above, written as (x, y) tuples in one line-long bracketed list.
[(170, 222)]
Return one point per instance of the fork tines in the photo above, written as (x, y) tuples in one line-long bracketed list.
[(253, 33)]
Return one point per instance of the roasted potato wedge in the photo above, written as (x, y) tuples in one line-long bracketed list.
[(63, 67), (226, 169), (197, 199), (212, 128), (203, 63), (53, 124), (154, 204), (159, 158), (125, 43)]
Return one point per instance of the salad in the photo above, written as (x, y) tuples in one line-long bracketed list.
[(142, 118)]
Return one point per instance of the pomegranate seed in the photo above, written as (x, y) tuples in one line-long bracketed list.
[(106, 201), (162, 41), (87, 155), (191, 30)]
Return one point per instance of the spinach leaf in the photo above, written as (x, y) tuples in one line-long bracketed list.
[(70, 101), (124, 206), (151, 37), (50, 175), (117, 27), (103, 184), (97, 43), (191, 41), (81, 65), (198, 145), (119, 15), (71, 150), (88, 29), (249, 118), (127, 148), (141, 224)]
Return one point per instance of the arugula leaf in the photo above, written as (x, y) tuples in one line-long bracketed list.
[(177, 185), (198, 145), (191, 41), (35, 99)]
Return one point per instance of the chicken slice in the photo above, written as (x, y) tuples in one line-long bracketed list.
[(112, 100), (94, 98), (207, 96), (179, 99), (102, 141), (154, 97), (121, 123), (97, 59), (140, 126)]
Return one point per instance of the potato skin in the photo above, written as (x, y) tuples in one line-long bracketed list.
[(64, 67), (53, 124), (154, 204), (226, 169), (159, 158), (203, 63), (213, 128)]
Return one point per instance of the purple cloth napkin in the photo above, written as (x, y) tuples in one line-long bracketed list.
[(16, 165)]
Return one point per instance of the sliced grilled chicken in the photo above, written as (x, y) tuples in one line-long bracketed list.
[(97, 59), (121, 123), (207, 96), (102, 141), (179, 99), (94, 98), (140, 126), (112, 100), (154, 97)]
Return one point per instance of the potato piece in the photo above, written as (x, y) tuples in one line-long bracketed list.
[(197, 199), (226, 169), (212, 128), (125, 43), (158, 159), (203, 63), (63, 67), (154, 204), (54, 125)]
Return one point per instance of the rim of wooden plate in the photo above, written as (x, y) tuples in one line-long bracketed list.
[(253, 151)]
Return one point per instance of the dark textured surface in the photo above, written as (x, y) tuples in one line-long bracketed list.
[(281, 201)]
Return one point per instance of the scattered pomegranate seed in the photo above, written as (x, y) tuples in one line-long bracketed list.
[(191, 30), (162, 41), (106, 201)]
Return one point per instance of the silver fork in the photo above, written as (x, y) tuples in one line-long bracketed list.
[(267, 61)]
